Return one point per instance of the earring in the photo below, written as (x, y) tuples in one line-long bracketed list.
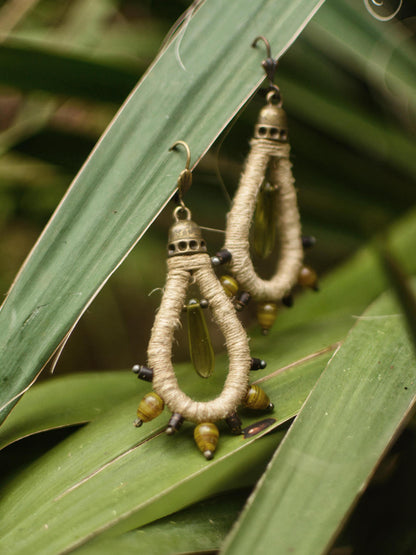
[(188, 261), (266, 196)]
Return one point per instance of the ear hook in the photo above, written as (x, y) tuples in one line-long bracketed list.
[(185, 177), (266, 42), (269, 65)]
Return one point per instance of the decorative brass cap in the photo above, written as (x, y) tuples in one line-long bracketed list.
[(272, 124), (185, 236)]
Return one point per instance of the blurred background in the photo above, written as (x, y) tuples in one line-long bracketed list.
[(348, 85)]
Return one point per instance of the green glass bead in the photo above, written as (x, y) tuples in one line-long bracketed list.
[(257, 399), (229, 285), (206, 437), (266, 315), (308, 278), (200, 348), (264, 230), (149, 408)]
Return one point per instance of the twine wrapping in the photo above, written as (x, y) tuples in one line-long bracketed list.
[(265, 154), (167, 319)]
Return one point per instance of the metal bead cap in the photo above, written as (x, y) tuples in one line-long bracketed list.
[(185, 236), (272, 124)]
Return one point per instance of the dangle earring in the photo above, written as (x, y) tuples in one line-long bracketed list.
[(188, 262), (266, 196)]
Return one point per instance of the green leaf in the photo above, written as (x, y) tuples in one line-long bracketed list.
[(199, 528), (401, 287), (65, 401), (381, 52), (131, 174), (30, 67), (332, 449), (110, 477)]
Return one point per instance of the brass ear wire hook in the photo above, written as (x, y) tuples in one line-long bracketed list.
[(269, 65), (185, 177)]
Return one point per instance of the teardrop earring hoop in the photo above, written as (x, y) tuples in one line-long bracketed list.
[(188, 260), (267, 196)]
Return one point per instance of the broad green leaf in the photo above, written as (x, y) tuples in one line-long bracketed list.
[(381, 52), (110, 476), (332, 449), (131, 174), (401, 287), (65, 401), (200, 528), (29, 68), (336, 115)]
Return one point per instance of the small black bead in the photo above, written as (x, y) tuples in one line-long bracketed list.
[(234, 423), (242, 300), (223, 256), (258, 364), (308, 241), (288, 301), (175, 422), (143, 372), (203, 303)]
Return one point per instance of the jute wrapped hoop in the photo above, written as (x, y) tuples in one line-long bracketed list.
[(267, 156), (180, 269)]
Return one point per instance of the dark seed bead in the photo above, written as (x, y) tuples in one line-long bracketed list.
[(175, 422), (234, 423), (288, 301), (242, 300), (221, 257), (143, 372), (258, 364), (203, 303), (308, 241)]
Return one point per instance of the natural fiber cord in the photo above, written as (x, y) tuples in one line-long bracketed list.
[(165, 384), (265, 155)]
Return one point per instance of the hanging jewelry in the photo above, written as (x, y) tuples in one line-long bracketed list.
[(266, 196), (187, 262)]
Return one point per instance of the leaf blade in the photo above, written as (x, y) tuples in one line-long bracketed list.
[(341, 433)]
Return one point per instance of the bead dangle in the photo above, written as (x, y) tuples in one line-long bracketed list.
[(188, 261), (266, 201)]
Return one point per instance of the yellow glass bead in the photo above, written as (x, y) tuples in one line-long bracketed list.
[(266, 315), (257, 399), (149, 408), (206, 437), (264, 225), (200, 347), (308, 278), (230, 285)]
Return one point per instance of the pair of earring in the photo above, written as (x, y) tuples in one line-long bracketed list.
[(266, 194)]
